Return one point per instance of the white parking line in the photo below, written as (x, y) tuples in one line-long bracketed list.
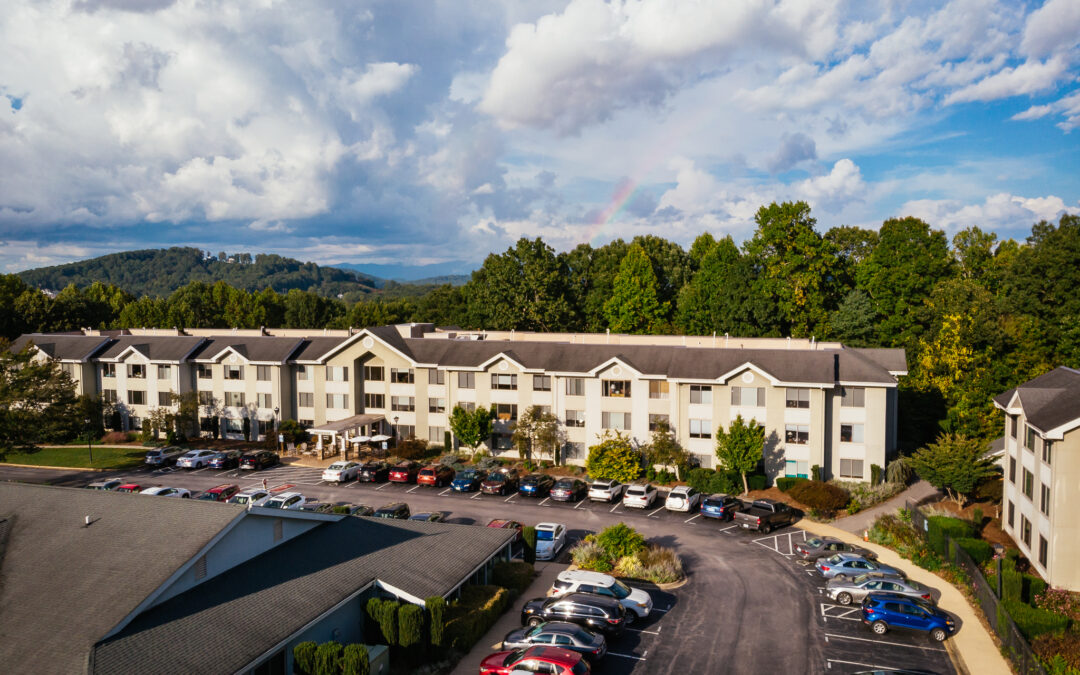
[(642, 630), (545, 501), (829, 663), (445, 491), (830, 611), (688, 520), (382, 486), (627, 656), (882, 642), (505, 500), (476, 496), (414, 489), (729, 527), (580, 504), (615, 507), (352, 484), (656, 511)]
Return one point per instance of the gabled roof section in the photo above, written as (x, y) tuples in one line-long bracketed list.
[(313, 348), (619, 360), (749, 365), (64, 585), (255, 349), (388, 335), (507, 355), (227, 622), (892, 360), (63, 347), (170, 348), (1049, 402)]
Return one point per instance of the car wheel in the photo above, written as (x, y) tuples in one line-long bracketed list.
[(880, 627), (185, 496), (844, 598), (535, 621), (766, 529), (939, 634), (631, 617)]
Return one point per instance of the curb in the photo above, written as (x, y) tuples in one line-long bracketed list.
[(57, 468)]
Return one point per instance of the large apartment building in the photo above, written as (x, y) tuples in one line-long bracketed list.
[(821, 403), (1042, 471)]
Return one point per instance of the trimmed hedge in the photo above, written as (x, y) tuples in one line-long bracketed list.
[(1033, 621), (355, 660), (528, 536), (757, 482), (940, 526), (436, 606), (304, 657), (980, 551), (710, 482), (476, 612), (384, 613), (513, 575), (410, 624), (821, 496), (328, 658), (785, 483)]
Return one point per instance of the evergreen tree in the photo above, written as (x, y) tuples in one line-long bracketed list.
[(634, 306)]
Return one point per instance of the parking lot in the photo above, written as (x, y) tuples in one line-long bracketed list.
[(749, 605)]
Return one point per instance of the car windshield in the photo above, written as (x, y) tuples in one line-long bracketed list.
[(208, 495), (467, 475), (241, 499), (814, 543), (564, 484), (635, 491), (274, 504), (539, 628), (600, 485), (545, 535), (497, 477), (514, 657), (836, 559), (862, 578), (620, 589), (336, 467), (714, 501)]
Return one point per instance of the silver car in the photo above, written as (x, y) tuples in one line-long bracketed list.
[(851, 565), (846, 591)]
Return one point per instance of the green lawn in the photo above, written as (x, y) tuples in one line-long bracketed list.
[(77, 456)]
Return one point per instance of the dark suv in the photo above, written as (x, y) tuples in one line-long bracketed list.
[(258, 460), (374, 472), (501, 482), (536, 485), (594, 612), (569, 490), (396, 511), (720, 506), (883, 611)]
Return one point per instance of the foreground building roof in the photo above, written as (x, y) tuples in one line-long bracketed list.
[(1049, 402)]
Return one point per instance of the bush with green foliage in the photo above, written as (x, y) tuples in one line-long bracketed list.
[(954, 463), (436, 607), (875, 474), (473, 614), (1060, 652), (785, 483), (410, 625), (1060, 601), (898, 471), (758, 481), (528, 537), (818, 495), (328, 658), (708, 481), (620, 540), (412, 448), (515, 576), (815, 472), (384, 613), (980, 551), (589, 555), (304, 657), (740, 447), (1033, 621), (660, 565), (355, 660), (990, 489), (613, 458), (938, 527)]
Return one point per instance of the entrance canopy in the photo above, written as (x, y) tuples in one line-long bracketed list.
[(355, 425)]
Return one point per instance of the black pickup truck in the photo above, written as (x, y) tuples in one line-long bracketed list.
[(765, 515)]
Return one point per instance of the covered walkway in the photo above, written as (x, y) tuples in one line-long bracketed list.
[(349, 434)]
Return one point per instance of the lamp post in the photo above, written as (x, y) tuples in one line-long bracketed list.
[(277, 425), (89, 442), (393, 431)]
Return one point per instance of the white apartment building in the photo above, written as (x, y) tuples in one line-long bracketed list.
[(1042, 472), (820, 403)]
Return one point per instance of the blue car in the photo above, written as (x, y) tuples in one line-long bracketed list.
[(884, 611), (536, 485), (468, 481), (720, 506)]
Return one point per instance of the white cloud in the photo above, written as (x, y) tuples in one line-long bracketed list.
[(1053, 27), (1000, 211), (1030, 77), (1067, 106), (842, 185)]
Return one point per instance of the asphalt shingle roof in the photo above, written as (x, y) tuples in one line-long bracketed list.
[(1050, 400), (64, 347), (227, 622), (314, 347), (262, 349), (153, 347), (64, 585)]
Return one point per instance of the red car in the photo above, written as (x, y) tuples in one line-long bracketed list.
[(558, 661), (437, 475), (507, 525), (220, 493), (405, 472), (131, 488)]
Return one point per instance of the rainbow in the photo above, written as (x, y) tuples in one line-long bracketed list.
[(619, 199)]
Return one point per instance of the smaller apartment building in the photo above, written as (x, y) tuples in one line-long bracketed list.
[(1041, 495), (820, 403)]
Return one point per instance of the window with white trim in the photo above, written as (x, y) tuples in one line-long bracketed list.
[(402, 375), (701, 393), (700, 428), (748, 397), (402, 403), (436, 405), (234, 372), (616, 388), (374, 373), (575, 418), (136, 397), (374, 401), (164, 399), (436, 434), (136, 370), (797, 397), (266, 401), (1044, 499), (306, 399), (436, 376), (466, 380), (541, 383), (164, 372), (659, 389), (234, 399), (853, 397), (797, 434), (619, 421), (575, 386), (851, 433), (851, 468), (262, 373), (503, 381), (506, 412), (339, 401)]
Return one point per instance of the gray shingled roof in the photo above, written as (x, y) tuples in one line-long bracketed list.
[(63, 586), (227, 622), (64, 347), (153, 347), (314, 347), (262, 349), (824, 366), (893, 360), (1049, 400)]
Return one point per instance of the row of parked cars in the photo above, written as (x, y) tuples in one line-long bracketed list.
[(204, 458), (568, 630)]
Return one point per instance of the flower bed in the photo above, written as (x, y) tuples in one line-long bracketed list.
[(622, 551)]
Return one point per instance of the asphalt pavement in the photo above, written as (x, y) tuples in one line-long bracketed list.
[(747, 607)]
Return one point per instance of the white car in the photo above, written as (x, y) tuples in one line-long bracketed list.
[(195, 459), (639, 496), (340, 472), (550, 538), (250, 497), (288, 501), (683, 498), (180, 493), (605, 490), (637, 602)]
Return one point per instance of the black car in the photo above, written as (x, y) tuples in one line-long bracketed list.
[(317, 507), (468, 480), (536, 485), (259, 460), (501, 482), (570, 636), (594, 612), (569, 490), (397, 510), (374, 472), (429, 516), (226, 460)]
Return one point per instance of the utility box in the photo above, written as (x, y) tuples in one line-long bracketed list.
[(379, 658)]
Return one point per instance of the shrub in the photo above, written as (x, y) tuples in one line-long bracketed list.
[(450, 460), (355, 660), (818, 495), (384, 613), (875, 474), (436, 606), (661, 565), (898, 471), (990, 490), (411, 448), (980, 551), (1060, 601), (410, 625), (815, 472), (785, 483), (476, 612), (853, 507), (1061, 651), (117, 437), (1033, 621), (328, 658), (757, 482), (630, 566), (588, 555), (304, 657), (513, 575), (620, 540), (976, 519), (528, 535)]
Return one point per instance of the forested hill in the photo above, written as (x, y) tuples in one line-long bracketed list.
[(159, 272)]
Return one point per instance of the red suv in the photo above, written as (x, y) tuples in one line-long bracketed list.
[(220, 493), (405, 472), (437, 475), (559, 661)]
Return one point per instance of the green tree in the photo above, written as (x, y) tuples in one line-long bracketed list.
[(955, 464), (186, 416), (11, 321), (664, 449), (523, 288), (741, 447), (973, 253), (355, 660), (725, 295), (798, 267), (591, 275), (37, 401), (528, 538), (328, 658), (293, 431), (304, 657), (384, 613), (471, 428), (613, 458), (855, 321), (410, 624), (436, 606), (536, 429), (634, 306)]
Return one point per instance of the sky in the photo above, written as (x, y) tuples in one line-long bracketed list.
[(435, 132)]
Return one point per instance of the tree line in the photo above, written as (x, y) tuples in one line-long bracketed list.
[(975, 315)]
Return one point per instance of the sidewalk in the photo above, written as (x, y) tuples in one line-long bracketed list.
[(971, 648), (862, 520), (511, 619)]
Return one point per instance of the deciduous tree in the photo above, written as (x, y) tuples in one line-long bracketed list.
[(471, 428), (613, 458), (741, 447), (954, 463)]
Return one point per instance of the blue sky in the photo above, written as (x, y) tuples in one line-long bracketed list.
[(427, 132)]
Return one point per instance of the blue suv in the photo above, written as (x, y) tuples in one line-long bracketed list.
[(882, 611)]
